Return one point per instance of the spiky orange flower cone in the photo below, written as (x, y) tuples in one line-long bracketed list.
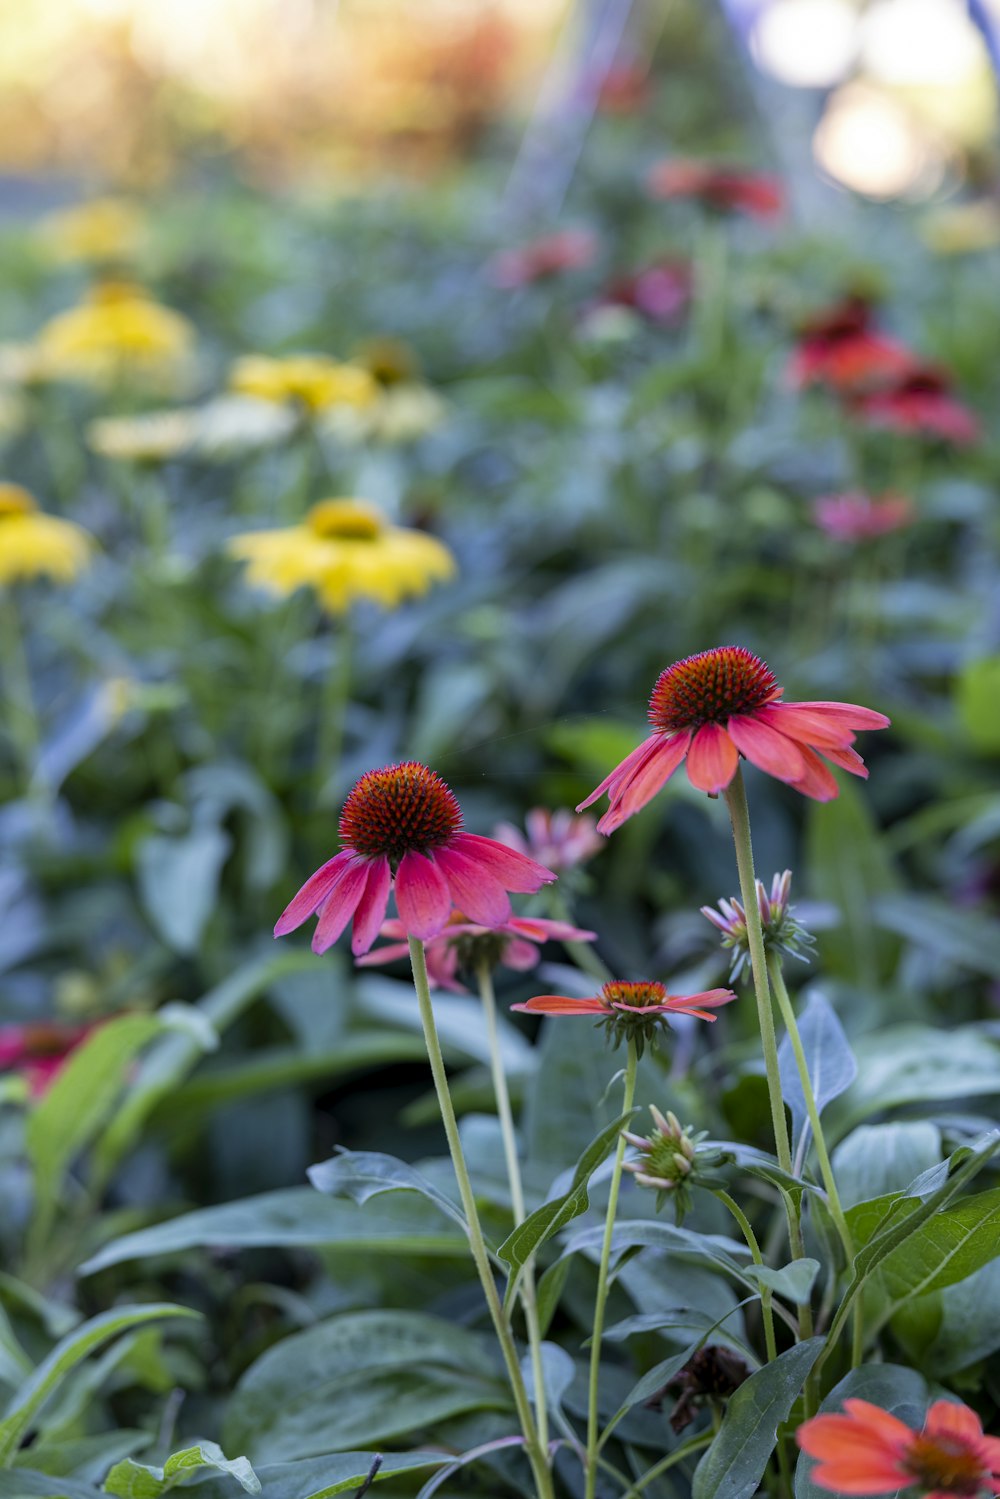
[(401, 828), (868, 1451), (710, 709)]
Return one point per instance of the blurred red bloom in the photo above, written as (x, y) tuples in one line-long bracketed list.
[(648, 999), (624, 89), (514, 945), (858, 517), (869, 1451), (39, 1051), (559, 840), (841, 348), (728, 189), (660, 292), (401, 827), (920, 401), (568, 250), (710, 709)]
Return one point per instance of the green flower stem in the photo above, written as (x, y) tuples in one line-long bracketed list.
[(696, 1444), (22, 716), (822, 1154), (593, 1433), (739, 816), (758, 1259), (333, 712), (536, 1453), (506, 1118)]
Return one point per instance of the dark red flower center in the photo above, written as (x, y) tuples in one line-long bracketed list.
[(945, 1464), (639, 995), (710, 688), (398, 810)]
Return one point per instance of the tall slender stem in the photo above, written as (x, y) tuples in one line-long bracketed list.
[(535, 1451), (758, 1259), (333, 712), (819, 1139), (593, 1434), (22, 717), (505, 1115)]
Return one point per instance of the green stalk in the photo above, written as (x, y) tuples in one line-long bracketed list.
[(537, 1455), (593, 1432), (506, 1118), (758, 1259), (333, 711), (22, 718), (819, 1139), (704, 1439)]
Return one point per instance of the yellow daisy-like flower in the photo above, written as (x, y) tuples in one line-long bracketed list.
[(107, 229), (231, 424), (33, 544), (119, 332), (345, 550), (312, 381)]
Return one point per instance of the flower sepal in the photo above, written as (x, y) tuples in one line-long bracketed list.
[(673, 1160)]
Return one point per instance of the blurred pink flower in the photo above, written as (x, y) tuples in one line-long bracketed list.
[(514, 945), (841, 348), (920, 401), (39, 1050), (728, 189), (559, 840), (568, 250), (858, 517), (660, 292)]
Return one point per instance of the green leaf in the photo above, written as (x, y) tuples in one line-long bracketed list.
[(297, 1217), (830, 1063), (918, 1064), (965, 938), (702, 1249), (968, 1322), (848, 866), (362, 1174), (951, 1245), (977, 693), (734, 1465), (895, 1389), (178, 880), (794, 1281), (86, 1458), (14, 1362), (322, 1477), (25, 1483), (63, 1359), (879, 1159), (132, 1480)]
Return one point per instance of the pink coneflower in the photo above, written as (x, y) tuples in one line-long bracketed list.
[(710, 709), (660, 292), (626, 1008), (39, 1051), (728, 189), (860, 517), (920, 401), (869, 1451), (841, 348), (462, 944), (559, 840), (569, 250), (402, 826)]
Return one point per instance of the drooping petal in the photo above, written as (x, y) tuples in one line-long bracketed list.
[(817, 781), (799, 722), (313, 893), (850, 715), (622, 769), (520, 956), (340, 904), (872, 1419), (766, 748), (847, 759), (562, 1004), (712, 759), (371, 907), (391, 953), (847, 1477), (514, 871), (474, 889), (543, 929), (645, 781), (422, 896)]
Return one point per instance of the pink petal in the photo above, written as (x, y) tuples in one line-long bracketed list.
[(422, 896), (442, 963), (847, 759), (389, 954), (340, 904), (850, 715), (623, 769), (514, 871), (561, 1004), (476, 892), (520, 956), (313, 893), (954, 1423), (766, 748), (798, 721), (817, 781), (371, 907), (712, 759), (541, 929), (643, 784)]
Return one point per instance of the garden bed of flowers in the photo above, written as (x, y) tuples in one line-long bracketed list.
[(496, 606)]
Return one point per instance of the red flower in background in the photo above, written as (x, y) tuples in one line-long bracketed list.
[(559, 840), (514, 945), (660, 292), (401, 828), (624, 89), (869, 1451), (727, 189), (841, 348), (568, 250), (919, 401), (859, 517), (39, 1051)]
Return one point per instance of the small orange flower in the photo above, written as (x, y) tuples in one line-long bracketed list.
[(868, 1451), (636, 1009)]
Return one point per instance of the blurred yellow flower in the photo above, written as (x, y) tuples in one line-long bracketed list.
[(963, 228), (118, 332), (33, 544), (107, 229), (312, 381), (231, 424), (345, 550), (401, 413)]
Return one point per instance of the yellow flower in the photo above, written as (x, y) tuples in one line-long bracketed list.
[(230, 424), (402, 413), (107, 229), (963, 228), (119, 332), (312, 381), (32, 544), (345, 550)]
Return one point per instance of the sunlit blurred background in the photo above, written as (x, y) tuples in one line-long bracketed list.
[(900, 95)]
